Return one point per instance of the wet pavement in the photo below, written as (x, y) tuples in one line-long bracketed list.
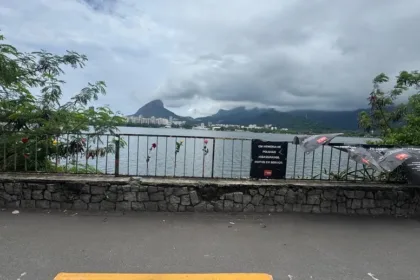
[(39, 244)]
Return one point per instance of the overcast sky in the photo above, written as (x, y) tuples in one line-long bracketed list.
[(199, 56)]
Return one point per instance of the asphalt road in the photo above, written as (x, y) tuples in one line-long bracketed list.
[(38, 245)]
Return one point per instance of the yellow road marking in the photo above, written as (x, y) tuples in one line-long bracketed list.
[(116, 276)]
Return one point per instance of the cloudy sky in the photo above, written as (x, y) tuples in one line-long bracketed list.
[(202, 55)]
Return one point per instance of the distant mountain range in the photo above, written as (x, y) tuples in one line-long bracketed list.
[(298, 119)]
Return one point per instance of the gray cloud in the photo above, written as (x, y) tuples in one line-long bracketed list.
[(309, 54), (200, 56), (101, 5)]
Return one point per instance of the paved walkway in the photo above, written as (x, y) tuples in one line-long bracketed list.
[(38, 245)]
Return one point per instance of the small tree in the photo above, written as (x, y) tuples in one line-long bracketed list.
[(37, 125), (396, 124)]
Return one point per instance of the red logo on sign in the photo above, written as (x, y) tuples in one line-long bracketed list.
[(401, 156), (268, 173), (322, 140)]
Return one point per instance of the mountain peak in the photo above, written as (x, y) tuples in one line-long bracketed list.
[(156, 103), (156, 109)]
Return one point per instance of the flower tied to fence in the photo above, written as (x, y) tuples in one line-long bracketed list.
[(25, 140), (100, 152), (205, 149), (26, 153), (205, 152), (178, 145), (152, 147)]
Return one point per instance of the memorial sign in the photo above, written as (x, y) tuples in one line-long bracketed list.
[(268, 159)]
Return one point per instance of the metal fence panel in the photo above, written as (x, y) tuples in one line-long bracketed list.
[(168, 156)]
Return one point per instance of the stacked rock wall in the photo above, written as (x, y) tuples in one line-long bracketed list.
[(108, 194)]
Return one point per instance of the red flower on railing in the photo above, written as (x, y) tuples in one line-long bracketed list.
[(153, 146), (205, 149), (205, 152), (25, 140), (90, 154), (26, 156)]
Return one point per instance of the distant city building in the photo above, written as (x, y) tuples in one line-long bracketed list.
[(178, 122), (154, 121), (173, 121)]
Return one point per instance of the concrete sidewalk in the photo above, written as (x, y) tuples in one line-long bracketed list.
[(38, 245)]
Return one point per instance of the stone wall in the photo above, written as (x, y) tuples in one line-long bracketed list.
[(181, 195)]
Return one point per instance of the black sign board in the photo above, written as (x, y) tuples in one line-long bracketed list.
[(268, 159), (412, 168)]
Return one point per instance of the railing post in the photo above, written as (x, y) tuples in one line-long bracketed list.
[(117, 155), (212, 158), (6, 138)]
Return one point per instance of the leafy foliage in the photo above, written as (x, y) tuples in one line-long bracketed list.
[(37, 125), (366, 174), (396, 124)]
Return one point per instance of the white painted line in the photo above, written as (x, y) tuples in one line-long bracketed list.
[(372, 276), (21, 275)]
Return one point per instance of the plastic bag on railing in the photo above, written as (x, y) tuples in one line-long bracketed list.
[(376, 154), (365, 157), (298, 139), (313, 142), (395, 157)]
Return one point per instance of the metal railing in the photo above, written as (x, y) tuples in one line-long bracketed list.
[(168, 156)]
